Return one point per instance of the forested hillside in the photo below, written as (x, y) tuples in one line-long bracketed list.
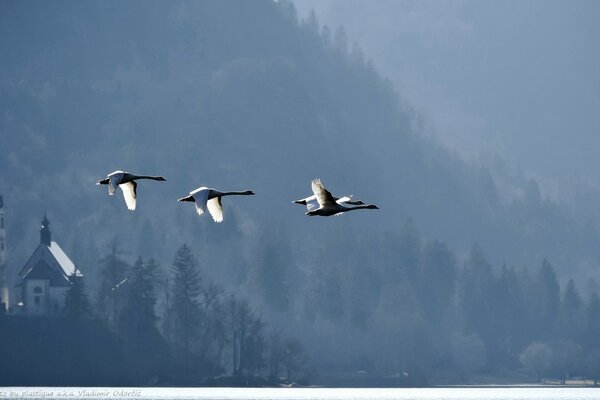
[(244, 95)]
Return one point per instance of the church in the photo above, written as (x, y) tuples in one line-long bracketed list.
[(45, 278)]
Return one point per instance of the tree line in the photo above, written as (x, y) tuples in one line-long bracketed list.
[(203, 331)]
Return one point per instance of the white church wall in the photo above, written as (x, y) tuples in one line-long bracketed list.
[(35, 297)]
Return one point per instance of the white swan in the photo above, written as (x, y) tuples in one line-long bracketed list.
[(311, 202), (208, 198), (327, 203), (127, 182)]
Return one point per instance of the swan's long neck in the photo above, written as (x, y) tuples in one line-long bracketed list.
[(244, 193), (156, 178), (369, 206)]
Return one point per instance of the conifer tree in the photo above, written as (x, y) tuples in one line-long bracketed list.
[(76, 301), (571, 313), (138, 315), (548, 299), (592, 322), (183, 317)]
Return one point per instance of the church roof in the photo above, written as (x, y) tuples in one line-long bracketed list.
[(41, 270), (63, 260), (49, 262)]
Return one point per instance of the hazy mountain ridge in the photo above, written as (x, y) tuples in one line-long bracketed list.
[(234, 95)]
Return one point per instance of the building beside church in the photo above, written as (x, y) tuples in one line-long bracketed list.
[(45, 278)]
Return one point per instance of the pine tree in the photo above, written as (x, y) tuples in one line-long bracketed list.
[(548, 300), (571, 318), (138, 315), (592, 322), (76, 301), (183, 318), (137, 321), (475, 286)]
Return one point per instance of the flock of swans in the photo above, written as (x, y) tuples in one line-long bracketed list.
[(321, 203)]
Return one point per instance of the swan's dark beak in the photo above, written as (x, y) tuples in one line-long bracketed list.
[(160, 178), (303, 202), (186, 198), (102, 182)]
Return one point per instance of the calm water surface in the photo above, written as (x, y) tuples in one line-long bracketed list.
[(304, 393)]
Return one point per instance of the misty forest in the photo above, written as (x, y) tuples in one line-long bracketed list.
[(466, 273)]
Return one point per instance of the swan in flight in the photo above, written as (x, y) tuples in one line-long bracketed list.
[(208, 198), (127, 182), (311, 202), (328, 204)]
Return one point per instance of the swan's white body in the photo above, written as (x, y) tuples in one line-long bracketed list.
[(127, 182), (327, 203), (206, 198), (311, 202)]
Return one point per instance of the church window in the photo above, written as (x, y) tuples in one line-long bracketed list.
[(36, 300), (37, 289), (1, 222)]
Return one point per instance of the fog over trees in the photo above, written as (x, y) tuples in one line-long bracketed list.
[(450, 280)]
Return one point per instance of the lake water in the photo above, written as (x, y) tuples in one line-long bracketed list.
[(512, 393)]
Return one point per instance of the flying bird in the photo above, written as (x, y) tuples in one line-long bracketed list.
[(327, 203), (311, 202), (208, 198), (127, 182)]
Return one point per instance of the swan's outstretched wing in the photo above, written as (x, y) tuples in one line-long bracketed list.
[(324, 198), (114, 180), (344, 199), (216, 209), (129, 190), (312, 204), (200, 198)]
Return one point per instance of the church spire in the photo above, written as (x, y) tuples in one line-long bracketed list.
[(45, 234)]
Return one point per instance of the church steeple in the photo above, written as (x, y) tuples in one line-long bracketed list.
[(45, 234)]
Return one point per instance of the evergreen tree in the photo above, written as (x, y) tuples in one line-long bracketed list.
[(183, 316), (571, 313), (137, 321), (475, 286), (340, 40), (508, 304), (76, 301), (592, 322), (138, 315), (548, 300)]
